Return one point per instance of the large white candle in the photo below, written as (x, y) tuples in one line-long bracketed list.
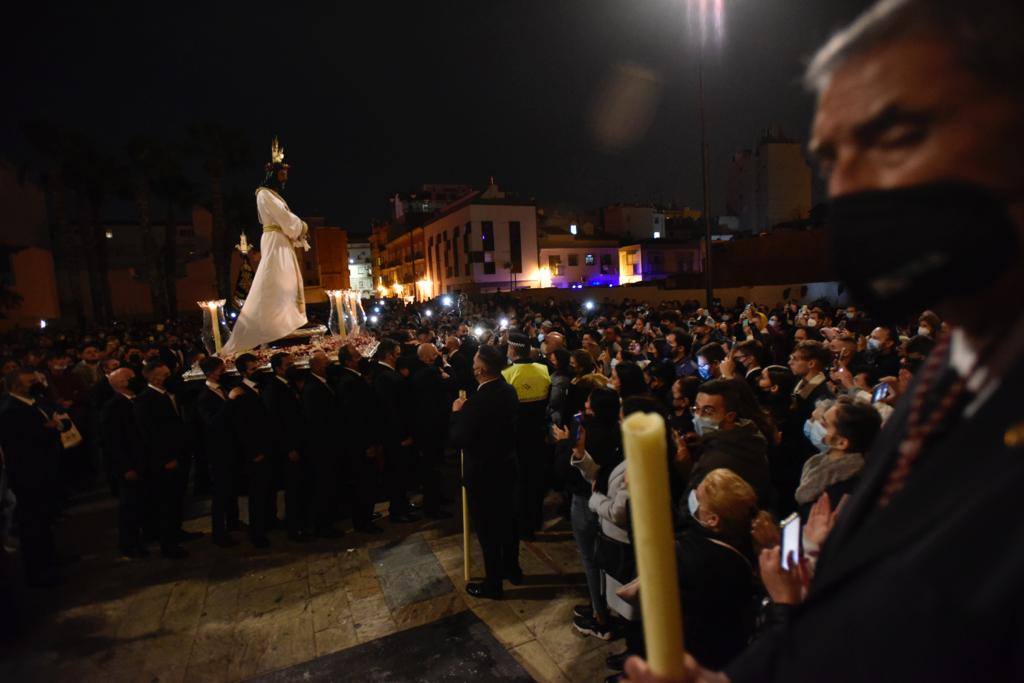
[(643, 437)]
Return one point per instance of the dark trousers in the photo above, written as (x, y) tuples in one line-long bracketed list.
[(363, 488), (129, 514), (396, 478), (532, 461), (224, 502), (431, 456), (325, 489), (260, 476), (298, 500), (168, 489), (492, 510), (34, 516)]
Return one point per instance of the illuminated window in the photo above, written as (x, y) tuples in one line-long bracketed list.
[(657, 235), (589, 260), (573, 229)]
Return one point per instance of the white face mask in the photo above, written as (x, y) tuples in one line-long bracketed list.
[(812, 322), (924, 331), (692, 502)]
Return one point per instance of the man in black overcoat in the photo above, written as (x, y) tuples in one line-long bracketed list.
[(219, 445), (363, 438), (250, 423), (122, 443), (284, 408), (484, 427), (323, 442)]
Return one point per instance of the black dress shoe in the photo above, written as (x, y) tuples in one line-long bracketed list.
[(369, 528), (224, 540), (174, 553), (407, 518), (480, 590), (440, 514), (515, 578), (260, 542), (329, 532)]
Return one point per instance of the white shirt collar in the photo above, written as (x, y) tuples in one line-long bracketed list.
[(157, 389), (322, 379), (283, 380), (252, 385), (130, 397), (213, 385), (488, 381), (387, 365), (26, 401), (354, 372)]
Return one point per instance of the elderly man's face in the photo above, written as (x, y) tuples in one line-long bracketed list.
[(907, 113)]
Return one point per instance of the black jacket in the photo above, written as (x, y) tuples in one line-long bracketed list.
[(717, 592), (284, 414), (250, 423), (321, 419), (604, 443), (121, 439), (431, 406), (162, 429), (393, 405), (927, 588), (31, 451), (485, 429), (359, 412), (215, 428), (743, 450)]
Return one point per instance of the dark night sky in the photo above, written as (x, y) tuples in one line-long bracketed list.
[(374, 102)]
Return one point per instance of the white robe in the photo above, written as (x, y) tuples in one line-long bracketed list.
[(276, 303)]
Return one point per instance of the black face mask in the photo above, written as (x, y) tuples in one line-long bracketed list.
[(904, 250)]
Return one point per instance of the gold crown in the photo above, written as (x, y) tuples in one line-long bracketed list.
[(276, 152)]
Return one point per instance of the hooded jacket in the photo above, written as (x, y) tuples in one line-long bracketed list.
[(743, 450)]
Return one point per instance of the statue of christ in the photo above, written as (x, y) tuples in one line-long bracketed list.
[(275, 305)]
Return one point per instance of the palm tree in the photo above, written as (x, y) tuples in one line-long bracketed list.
[(144, 158), (221, 150), (53, 144), (92, 174), (177, 191)]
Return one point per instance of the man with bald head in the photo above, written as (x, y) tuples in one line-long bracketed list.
[(122, 444), (432, 387)]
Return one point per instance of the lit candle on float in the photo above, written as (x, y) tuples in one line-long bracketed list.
[(644, 443)]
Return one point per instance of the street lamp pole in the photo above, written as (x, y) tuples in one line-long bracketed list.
[(709, 289)]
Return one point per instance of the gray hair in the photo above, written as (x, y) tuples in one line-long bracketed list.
[(986, 35)]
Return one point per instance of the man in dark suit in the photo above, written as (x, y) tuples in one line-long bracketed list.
[(31, 448), (284, 410), (163, 435), (462, 365), (432, 388), (218, 442), (396, 432), (484, 427), (323, 444), (122, 443), (921, 576), (250, 423), (363, 442)]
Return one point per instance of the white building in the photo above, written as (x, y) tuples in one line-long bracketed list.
[(769, 185), (579, 260), (360, 267), (482, 243)]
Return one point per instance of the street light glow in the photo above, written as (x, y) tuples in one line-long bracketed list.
[(373, 319), (477, 331), (589, 305), (42, 324), (428, 312), (446, 301), (504, 323)]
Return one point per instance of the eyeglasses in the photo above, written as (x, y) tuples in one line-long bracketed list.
[(705, 411)]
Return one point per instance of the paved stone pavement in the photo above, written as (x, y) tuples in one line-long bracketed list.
[(239, 613)]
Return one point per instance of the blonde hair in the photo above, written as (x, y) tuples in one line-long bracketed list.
[(735, 502)]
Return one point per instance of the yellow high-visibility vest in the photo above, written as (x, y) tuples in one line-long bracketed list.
[(530, 380)]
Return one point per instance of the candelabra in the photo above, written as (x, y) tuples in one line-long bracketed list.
[(215, 327)]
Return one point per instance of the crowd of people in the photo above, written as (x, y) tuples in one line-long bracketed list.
[(771, 409)]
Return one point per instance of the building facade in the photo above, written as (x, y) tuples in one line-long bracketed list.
[(580, 260), (360, 266), (486, 242), (658, 259), (770, 184)]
